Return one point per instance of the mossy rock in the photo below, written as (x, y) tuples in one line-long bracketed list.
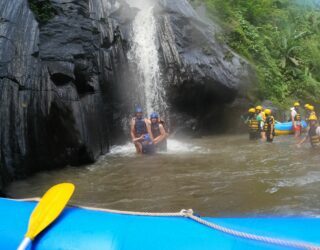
[(42, 9)]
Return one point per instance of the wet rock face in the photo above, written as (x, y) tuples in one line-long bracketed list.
[(203, 76), (64, 83), (55, 84)]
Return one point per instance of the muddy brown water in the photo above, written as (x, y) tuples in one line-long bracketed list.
[(216, 176)]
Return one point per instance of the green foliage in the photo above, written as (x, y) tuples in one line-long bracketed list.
[(280, 37), (42, 10)]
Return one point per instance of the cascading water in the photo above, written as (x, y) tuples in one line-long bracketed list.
[(144, 59)]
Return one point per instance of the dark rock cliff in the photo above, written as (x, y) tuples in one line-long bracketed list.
[(54, 80), (204, 77), (65, 85)]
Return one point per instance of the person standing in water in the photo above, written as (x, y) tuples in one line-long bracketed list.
[(269, 125), (253, 124), (296, 120), (309, 112), (139, 130), (313, 134), (261, 119), (158, 132)]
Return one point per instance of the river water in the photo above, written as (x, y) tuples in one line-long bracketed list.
[(218, 176)]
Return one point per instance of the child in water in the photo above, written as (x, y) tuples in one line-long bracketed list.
[(147, 145)]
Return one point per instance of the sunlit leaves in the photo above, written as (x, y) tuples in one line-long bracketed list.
[(280, 38)]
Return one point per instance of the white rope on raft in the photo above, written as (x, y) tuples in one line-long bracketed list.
[(188, 213)]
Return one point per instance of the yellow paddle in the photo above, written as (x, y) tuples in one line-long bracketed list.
[(47, 210)]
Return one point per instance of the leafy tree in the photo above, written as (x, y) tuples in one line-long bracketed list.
[(281, 38), (42, 10)]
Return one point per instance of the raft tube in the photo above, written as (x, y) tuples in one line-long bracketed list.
[(83, 229), (286, 128)]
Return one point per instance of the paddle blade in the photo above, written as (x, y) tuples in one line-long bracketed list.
[(49, 208)]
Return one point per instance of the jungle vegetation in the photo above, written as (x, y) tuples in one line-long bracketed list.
[(281, 38)]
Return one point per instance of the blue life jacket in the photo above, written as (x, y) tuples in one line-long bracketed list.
[(140, 127)]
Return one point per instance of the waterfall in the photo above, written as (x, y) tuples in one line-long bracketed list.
[(144, 58)]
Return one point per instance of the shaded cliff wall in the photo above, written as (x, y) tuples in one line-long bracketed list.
[(205, 79), (55, 83)]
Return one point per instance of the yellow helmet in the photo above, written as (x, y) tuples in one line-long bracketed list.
[(259, 108), (267, 111), (306, 106), (310, 108), (252, 110), (296, 104), (313, 118)]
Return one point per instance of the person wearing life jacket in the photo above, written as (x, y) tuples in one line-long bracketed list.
[(260, 116), (296, 119), (311, 111), (147, 145), (253, 124), (313, 134), (139, 128), (158, 132), (269, 125)]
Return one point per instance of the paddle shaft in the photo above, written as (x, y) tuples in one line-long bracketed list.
[(47, 210), (24, 244)]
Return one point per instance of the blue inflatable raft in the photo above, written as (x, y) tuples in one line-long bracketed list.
[(286, 128), (83, 229)]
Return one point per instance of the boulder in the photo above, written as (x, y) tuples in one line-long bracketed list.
[(203, 75)]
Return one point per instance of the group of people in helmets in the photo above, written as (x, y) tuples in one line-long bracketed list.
[(148, 135), (261, 124)]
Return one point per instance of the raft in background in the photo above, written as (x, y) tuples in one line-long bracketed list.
[(83, 229), (286, 128)]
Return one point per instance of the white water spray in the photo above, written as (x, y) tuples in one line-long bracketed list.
[(144, 55), (174, 147)]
